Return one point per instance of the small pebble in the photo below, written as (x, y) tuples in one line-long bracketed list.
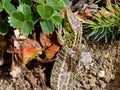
[(1, 61), (86, 57), (112, 76), (101, 73), (92, 82)]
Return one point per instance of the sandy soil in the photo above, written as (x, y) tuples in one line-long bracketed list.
[(98, 69)]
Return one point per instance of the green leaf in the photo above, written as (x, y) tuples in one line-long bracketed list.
[(47, 26), (35, 17), (27, 27), (28, 2), (22, 19), (57, 20), (16, 19), (44, 11), (18, 15), (25, 9), (39, 1), (56, 4), (1, 8), (5, 2), (8, 6), (67, 2), (3, 26), (56, 13)]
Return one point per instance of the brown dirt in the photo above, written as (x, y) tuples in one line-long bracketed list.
[(105, 58), (98, 69)]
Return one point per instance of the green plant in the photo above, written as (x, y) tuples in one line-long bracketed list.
[(26, 13), (105, 27)]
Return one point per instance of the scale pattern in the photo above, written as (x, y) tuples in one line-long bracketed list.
[(65, 69)]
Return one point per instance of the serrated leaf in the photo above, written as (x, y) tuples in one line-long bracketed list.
[(39, 1), (56, 4), (44, 11), (4, 2), (14, 22), (25, 9), (27, 27), (47, 26), (9, 8), (18, 15), (57, 20), (56, 13), (67, 2), (16, 19)]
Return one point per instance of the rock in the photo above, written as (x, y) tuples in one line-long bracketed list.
[(112, 77), (86, 57), (101, 73), (92, 82), (106, 55), (16, 71), (94, 72)]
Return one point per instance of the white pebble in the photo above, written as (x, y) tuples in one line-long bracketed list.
[(15, 72), (101, 73), (86, 57)]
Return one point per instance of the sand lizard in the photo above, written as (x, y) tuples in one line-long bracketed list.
[(69, 55), (72, 54)]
